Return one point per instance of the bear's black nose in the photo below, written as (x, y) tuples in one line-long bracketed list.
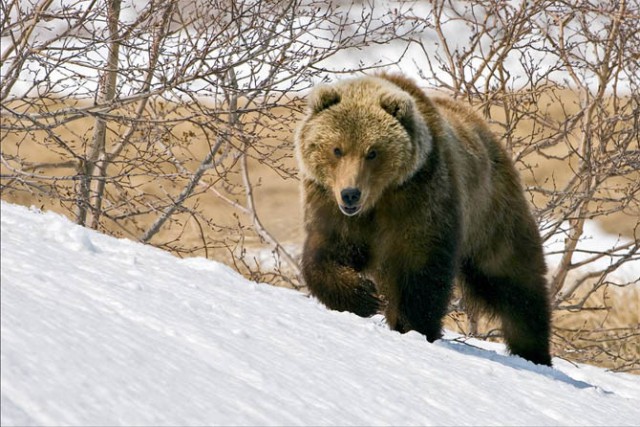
[(350, 196)]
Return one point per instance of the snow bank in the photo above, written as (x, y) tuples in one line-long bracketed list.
[(100, 331)]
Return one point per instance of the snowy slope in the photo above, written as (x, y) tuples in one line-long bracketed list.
[(100, 331)]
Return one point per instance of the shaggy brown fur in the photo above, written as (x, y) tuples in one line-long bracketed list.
[(402, 193)]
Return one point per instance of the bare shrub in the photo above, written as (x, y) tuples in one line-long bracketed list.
[(131, 116)]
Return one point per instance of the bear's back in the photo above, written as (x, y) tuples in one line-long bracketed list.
[(485, 176)]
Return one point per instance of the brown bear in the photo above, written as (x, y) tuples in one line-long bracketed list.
[(402, 194)]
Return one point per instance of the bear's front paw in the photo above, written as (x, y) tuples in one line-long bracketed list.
[(366, 301)]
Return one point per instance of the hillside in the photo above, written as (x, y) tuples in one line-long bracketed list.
[(101, 331)]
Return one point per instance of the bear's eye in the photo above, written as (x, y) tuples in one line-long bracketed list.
[(337, 152), (372, 154)]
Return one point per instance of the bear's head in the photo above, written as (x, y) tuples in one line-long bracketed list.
[(361, 138)]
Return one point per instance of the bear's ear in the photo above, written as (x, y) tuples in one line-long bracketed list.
[(398, 105), (401, 106), (322, 98)]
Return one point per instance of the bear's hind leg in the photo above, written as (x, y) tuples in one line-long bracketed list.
[(521, 303)]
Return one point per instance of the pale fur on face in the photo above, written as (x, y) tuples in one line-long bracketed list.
[(350, 119)]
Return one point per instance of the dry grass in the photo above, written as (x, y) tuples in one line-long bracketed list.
[(277, 198)]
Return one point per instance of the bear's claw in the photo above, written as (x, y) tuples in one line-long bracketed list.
[(367, 301)]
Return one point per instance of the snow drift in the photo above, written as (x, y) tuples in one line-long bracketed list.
[(101, 331)]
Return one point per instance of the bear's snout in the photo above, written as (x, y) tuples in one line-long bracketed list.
[(350, 201), (350, 196)]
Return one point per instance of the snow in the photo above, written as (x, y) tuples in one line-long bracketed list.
[(101, 331)]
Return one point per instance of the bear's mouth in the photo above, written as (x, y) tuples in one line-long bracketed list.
[(350, 210)]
